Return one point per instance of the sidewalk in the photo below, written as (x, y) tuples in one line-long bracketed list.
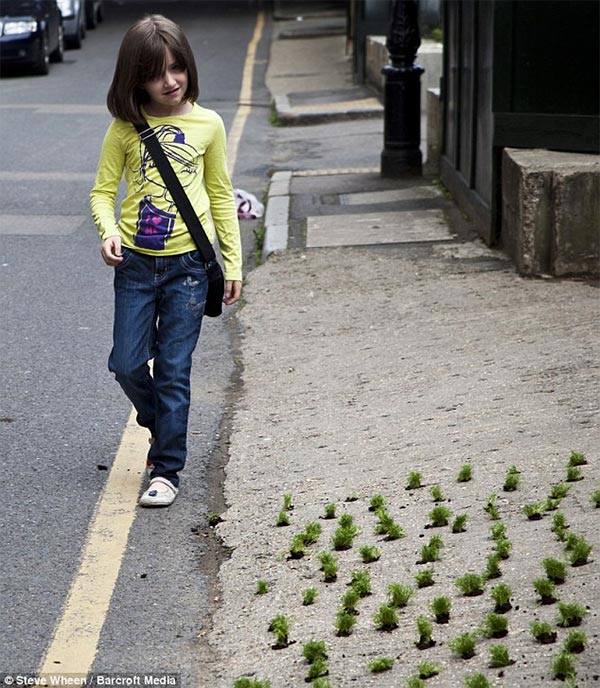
[(383, 340)]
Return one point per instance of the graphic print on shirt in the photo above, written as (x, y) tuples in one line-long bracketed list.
[(157, 210)]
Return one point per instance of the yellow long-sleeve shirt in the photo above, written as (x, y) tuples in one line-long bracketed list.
[(149, 221)]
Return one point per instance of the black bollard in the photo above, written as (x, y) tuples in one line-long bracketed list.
[(402, 94)]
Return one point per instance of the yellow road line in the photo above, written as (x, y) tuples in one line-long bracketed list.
[(241, 115), (76, 636)]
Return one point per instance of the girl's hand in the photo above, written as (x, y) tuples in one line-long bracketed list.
[(233, 291), (111, 250)]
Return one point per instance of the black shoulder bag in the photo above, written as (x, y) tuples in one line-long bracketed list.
[(216, 282)]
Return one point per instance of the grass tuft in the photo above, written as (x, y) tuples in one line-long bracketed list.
[(499, 657), (381, 664), (563, 666), (309, 597), (414, 481), (463, 645), (369, 553), (460, 524), (465, 473), (543, 632), (424, 579), (441, 607), (386, 618), (570, 614), (471, 584)]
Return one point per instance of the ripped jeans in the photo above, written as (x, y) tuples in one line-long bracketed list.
[(159, 304)]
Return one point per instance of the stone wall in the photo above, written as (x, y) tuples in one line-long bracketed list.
[(551, 211)]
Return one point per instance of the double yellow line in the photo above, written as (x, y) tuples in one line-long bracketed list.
[(77, 633)]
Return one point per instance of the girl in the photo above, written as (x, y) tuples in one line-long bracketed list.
[(159, 277)]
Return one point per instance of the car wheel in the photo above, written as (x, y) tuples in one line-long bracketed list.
[(42, 66), (58, 54), (91, 19)]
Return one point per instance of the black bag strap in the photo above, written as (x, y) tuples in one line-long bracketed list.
[(148, 136)]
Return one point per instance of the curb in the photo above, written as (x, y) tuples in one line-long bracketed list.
[(330, 112), (276, 217)]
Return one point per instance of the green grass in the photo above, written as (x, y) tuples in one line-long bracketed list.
[(381, 664), (495, 625), (387, 526), (314, 649), (580, 552), (317, 669), (431, 551), (361, 582), (498, 531), (262, 587), (499, 657), (399, 595), (563, 666), (414, 481), (386, 618), (425, 631), (251, 683), (577, 459), (534, 511), (596, 498), (283, 519), (492, 569), (471, 584), (460, 524), (369, 553), (287, 501), (344, 623), (511, 482), (559, 491), (415, 682), (439, 516), (441, 608), (280, 628), (477, 681), (465, 473), (377, 502), (570, 614), (464, 645), (575, 642), (503, 548), (349, 600), (428, 670), (545, 589), (491, 509), (309, 596), (543, 632), (556, 571), (424, 578), (329, 566), (574, 474), (501, 595), (329, 511), (321, 683), (436, 493)]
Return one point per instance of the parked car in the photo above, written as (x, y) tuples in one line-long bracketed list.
[(31, 34), (93, 13), (73, 14)]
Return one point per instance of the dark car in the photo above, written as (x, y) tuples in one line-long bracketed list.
[(93, 13), (31, 34), (73, 14)]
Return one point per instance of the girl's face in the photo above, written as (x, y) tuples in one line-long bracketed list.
[(167, 91)]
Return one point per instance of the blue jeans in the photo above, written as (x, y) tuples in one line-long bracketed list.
[(159, 304)]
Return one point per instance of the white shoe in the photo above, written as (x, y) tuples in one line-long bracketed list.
[(160, 492)]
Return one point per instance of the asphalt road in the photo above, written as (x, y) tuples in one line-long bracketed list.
[(61, 413)]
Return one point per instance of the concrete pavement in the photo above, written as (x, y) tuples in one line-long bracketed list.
[(381, 338)]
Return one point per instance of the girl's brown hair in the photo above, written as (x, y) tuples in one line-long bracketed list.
[(142, 58)]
